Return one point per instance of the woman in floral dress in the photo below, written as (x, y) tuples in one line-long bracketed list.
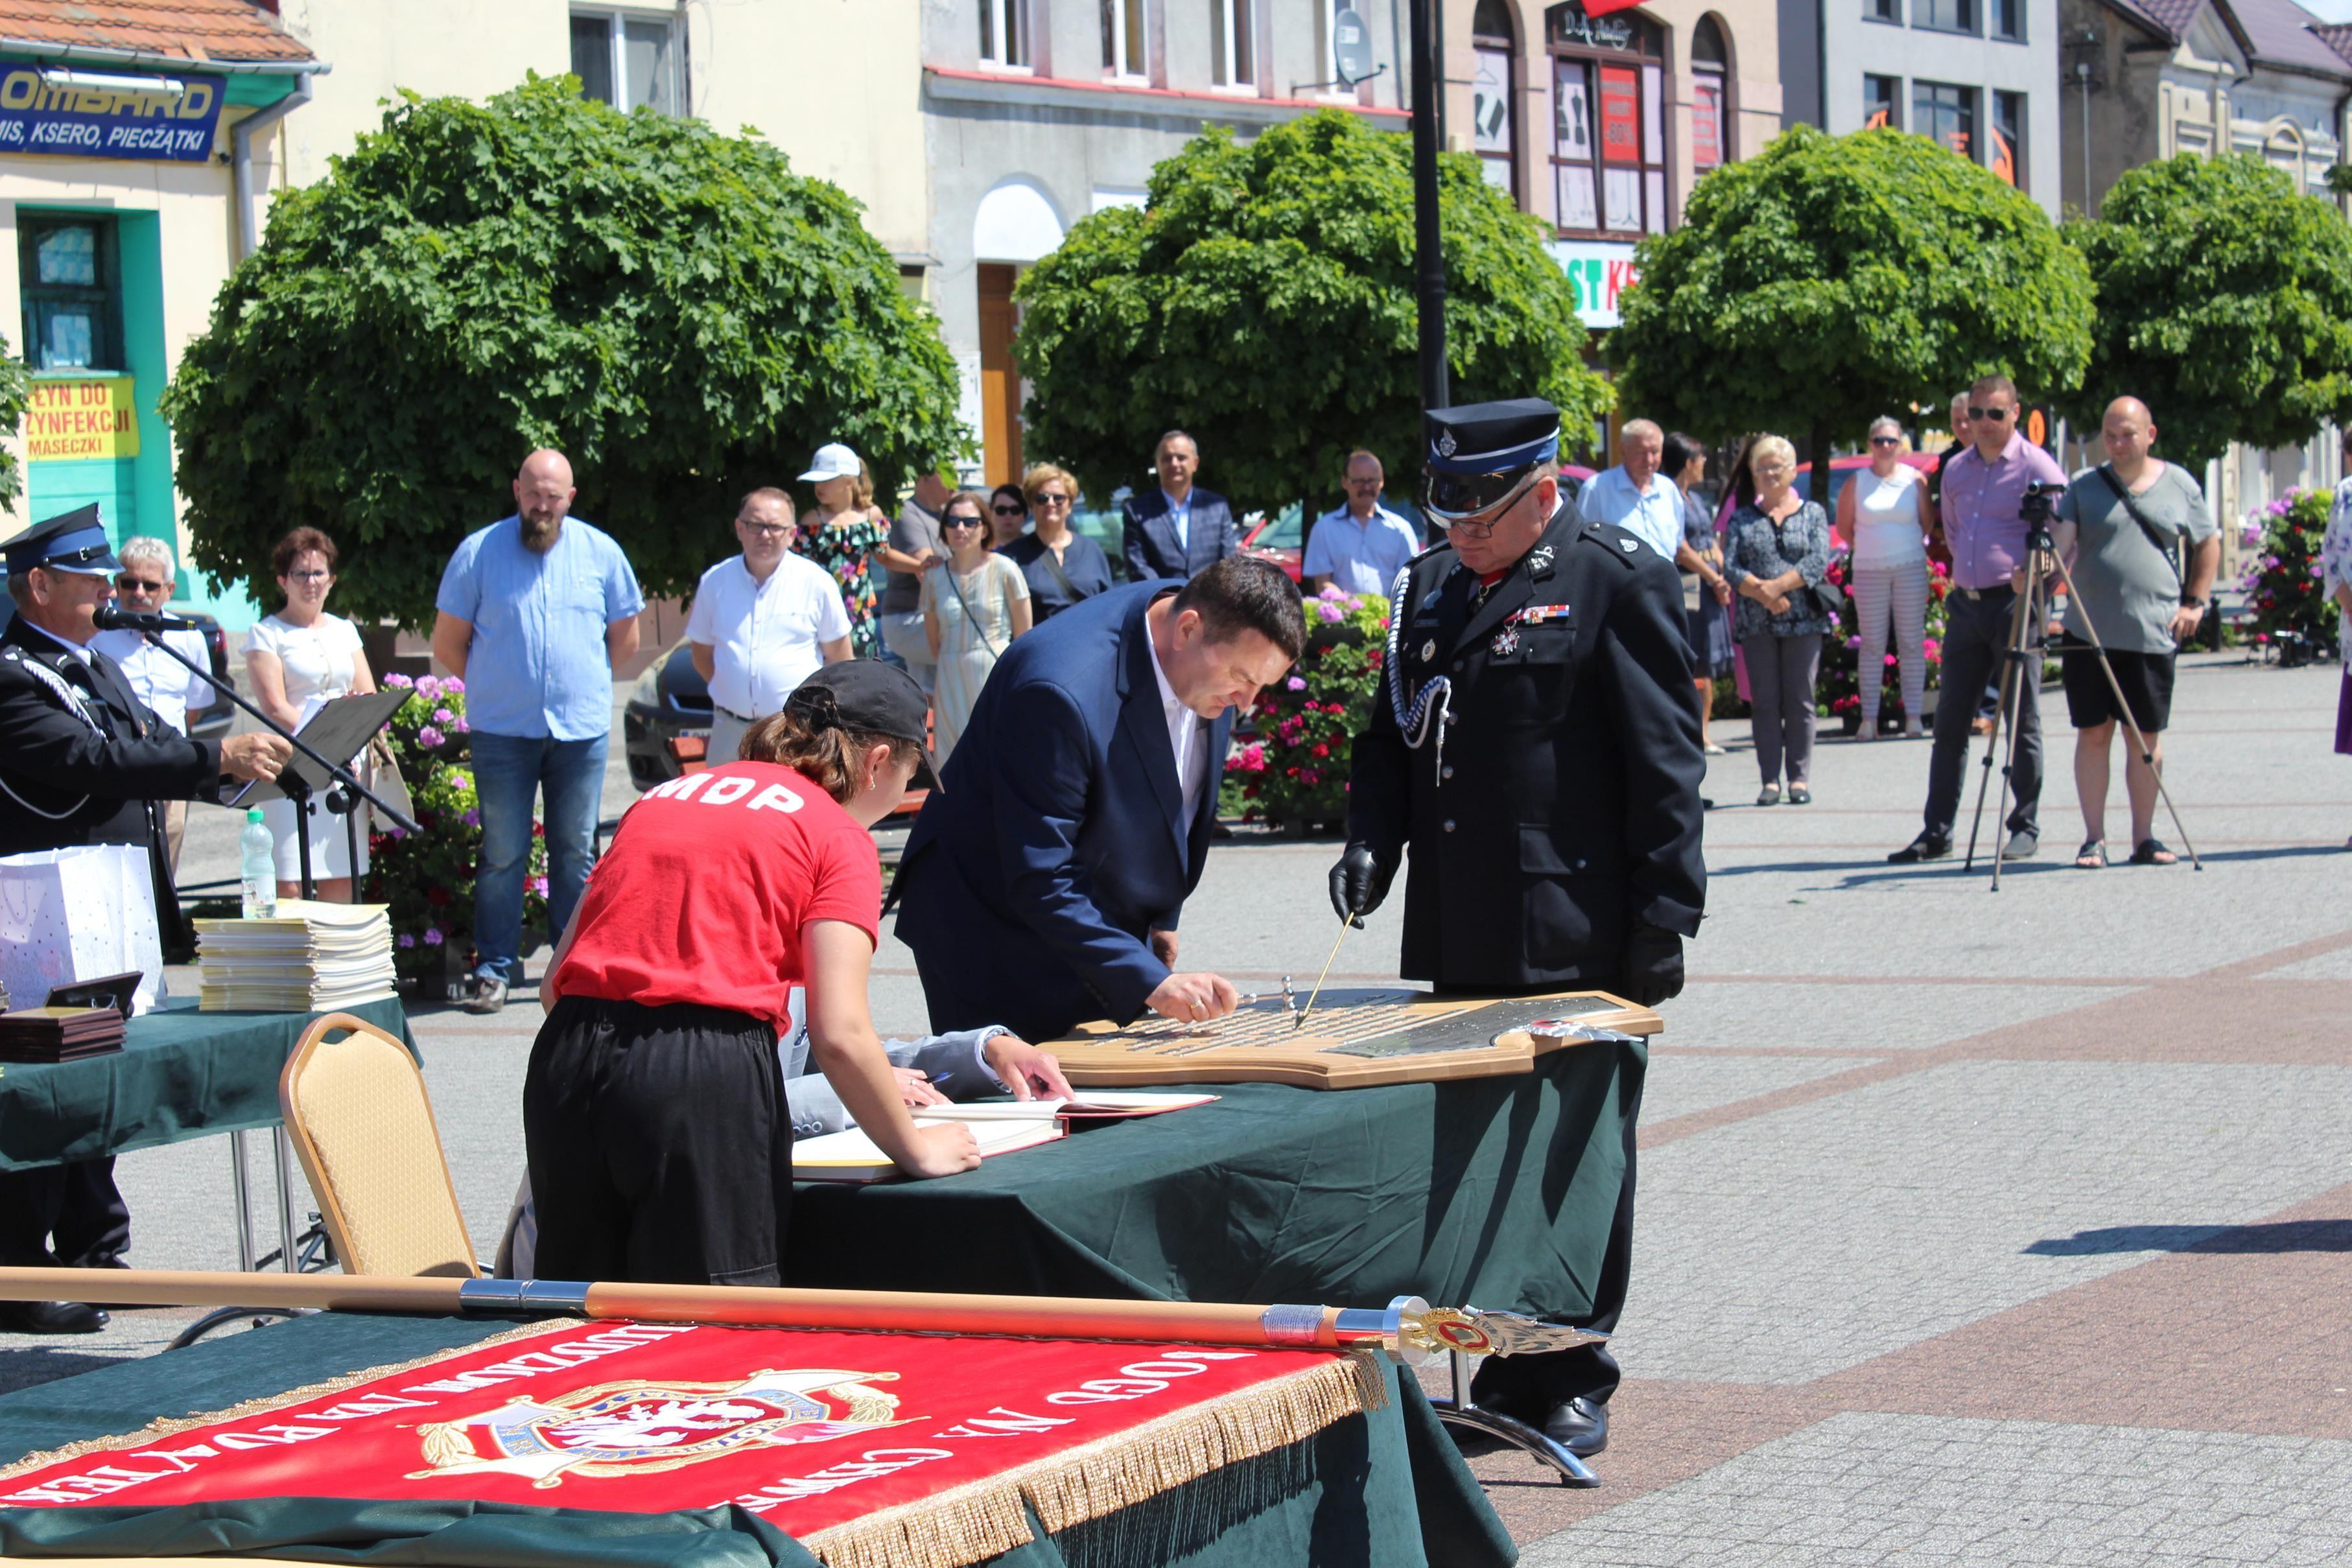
[(850, 539)]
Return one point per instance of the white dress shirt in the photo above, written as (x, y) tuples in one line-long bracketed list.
[(764, 638), (1187, 739), (1653, 516), (157, 679), (1360, 557)]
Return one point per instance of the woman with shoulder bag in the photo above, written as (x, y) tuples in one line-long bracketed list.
[(1778, 558), (972, 608), (1884, 519)]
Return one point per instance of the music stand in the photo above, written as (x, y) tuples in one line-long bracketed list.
[(342, 727)]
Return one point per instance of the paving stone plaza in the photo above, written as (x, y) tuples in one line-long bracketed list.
[(1973, 1227)]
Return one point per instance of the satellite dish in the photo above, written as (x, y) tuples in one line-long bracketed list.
[(1351, 46)]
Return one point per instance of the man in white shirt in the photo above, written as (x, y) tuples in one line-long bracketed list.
[(1361, 547), (761, 621), (176, 693), (1635, 495)]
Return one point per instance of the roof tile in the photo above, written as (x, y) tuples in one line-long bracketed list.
[(192, 30)]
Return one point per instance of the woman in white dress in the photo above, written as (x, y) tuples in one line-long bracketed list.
[(299, 660), (974, 606)]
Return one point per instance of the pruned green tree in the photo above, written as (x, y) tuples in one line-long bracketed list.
[(674, 309), (2225, 305), (1829, 280), (1263, 299)]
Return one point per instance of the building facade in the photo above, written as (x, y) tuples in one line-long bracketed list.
[(128, 185), (2148, 79), (1979, 76)]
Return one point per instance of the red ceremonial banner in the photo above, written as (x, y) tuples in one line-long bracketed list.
[(874, 1450)]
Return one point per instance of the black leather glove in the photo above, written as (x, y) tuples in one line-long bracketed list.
[(1654, 966), (1359, 883)]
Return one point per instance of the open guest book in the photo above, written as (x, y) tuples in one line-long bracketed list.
[(999, 1127)]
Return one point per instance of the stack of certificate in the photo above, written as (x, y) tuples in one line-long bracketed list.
[(58, 1034), (309, 957)]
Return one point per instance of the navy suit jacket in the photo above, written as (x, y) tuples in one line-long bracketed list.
[(1148, 535), (1034, 879)]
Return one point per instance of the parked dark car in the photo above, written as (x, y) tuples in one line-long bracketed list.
[(669, 700)]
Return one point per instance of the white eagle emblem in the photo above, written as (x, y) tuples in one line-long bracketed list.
[(1445, 444)]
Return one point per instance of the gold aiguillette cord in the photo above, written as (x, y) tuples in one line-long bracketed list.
[(1298, 1019)]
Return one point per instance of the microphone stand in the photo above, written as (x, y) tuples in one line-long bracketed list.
[(292, 784)]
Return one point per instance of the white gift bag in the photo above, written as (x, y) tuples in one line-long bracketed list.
[(80, 913)]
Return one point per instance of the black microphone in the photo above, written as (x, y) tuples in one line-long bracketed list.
[(110, 617)]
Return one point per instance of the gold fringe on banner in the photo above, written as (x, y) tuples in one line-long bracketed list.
[(986, 1518)]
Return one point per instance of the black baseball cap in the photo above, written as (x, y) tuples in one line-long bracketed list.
[(873, 697)]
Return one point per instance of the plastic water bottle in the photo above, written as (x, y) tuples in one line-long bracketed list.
[(258, 850)]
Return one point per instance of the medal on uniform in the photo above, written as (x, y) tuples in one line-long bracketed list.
[(1507, 642), (1428, 652)]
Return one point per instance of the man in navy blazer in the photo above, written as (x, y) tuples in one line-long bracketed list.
[(1177, 530), (1042, 884)]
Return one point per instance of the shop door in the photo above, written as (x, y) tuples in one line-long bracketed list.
[(1000, 379)]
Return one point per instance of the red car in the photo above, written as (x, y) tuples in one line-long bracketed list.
[(1281, 536), (1843, 469)]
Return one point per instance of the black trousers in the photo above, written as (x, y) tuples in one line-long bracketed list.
[(1527, 1386), (659, 1144), (76, 1204), (1976, 644)]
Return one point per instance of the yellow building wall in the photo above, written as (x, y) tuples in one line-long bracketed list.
[(834, 83)]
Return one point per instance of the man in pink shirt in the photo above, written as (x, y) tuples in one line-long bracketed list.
[(1984, 526)]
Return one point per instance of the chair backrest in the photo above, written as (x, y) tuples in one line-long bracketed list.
[(356, 1110)]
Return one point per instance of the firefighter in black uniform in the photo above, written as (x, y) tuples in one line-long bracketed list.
[(82, 762), (1534, 746)]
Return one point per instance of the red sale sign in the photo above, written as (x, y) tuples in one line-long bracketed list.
[(848, 1441)]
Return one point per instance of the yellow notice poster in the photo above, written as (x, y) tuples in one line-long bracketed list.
[(70, 421)]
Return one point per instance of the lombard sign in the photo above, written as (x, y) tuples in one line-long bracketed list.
[(1600, 272), (171, 121)]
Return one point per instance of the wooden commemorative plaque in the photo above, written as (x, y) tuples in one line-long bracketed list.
[(1353, 1039)]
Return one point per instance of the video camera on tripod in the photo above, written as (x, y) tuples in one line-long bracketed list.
[(2037, 507)]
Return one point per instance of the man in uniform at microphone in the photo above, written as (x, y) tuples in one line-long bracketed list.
[(81, 761), (1534, 743)]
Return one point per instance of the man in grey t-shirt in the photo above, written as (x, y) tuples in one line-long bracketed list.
[(2129, 590), (916, 533)]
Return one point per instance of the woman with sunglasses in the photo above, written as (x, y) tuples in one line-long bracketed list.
[(1008, 516), (300, 659), (1062, 566), (972, 609), (1780, 553), (1883, 517)]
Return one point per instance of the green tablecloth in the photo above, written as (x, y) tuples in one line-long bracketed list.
[(1380, 1490), (1490, 1192), (180, 1074)]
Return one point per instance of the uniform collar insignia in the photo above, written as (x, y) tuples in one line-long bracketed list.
[(1539, 560), (1629, 546)]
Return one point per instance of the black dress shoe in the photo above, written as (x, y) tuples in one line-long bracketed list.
[(50, 1317), (1578, 1426), (1926, 847)]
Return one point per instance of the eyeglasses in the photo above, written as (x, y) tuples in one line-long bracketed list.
[(1012, 511), (308, 576), (139, 585), (1049, 500), (1993, 414), (768, 530), (963, 522), (1886, 441)]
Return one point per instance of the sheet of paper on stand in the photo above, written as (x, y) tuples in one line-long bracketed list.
[(59, 1034), (309, 958), (852, 1155), (1088, 1108)]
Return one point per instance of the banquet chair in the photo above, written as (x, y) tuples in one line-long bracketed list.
[(361, 1124)]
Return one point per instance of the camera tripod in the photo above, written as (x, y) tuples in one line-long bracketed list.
[(2043, 559)]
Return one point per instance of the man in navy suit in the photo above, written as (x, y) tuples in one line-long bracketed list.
[(1177, 530), (1041, 887)]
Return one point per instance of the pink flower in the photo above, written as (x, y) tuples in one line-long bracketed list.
[(398, 682), (1330, 614), (1296, 685), (429, 688), (406, 940), (433, 936), (443, 715), (460, 781), (454, 688), (537, 884), (462, 727), (430, 737), (1853, 643)]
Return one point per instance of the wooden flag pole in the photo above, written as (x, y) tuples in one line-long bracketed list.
[(1405, 1324)]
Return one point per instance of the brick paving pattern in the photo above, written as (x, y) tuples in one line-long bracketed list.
[(1974, 1229)]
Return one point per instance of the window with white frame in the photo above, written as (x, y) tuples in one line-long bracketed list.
[(1003, 33), (1232, 56), (630, 59), (1125, 45)]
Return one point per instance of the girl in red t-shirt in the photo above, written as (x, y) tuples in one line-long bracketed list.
[(654, 1110)]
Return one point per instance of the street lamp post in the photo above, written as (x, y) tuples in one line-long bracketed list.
[(1428, 250)]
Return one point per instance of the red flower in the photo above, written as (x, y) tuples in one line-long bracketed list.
[(1321, 751), (436, 896)]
